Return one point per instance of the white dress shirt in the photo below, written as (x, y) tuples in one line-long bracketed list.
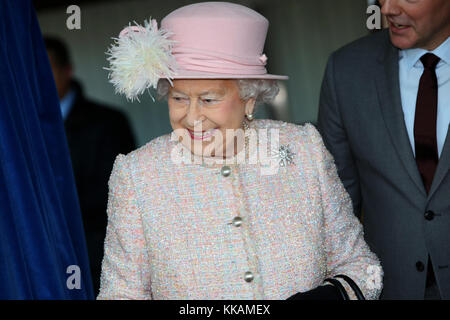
[(410, 71)]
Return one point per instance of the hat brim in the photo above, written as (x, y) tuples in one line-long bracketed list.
[(185, 74)]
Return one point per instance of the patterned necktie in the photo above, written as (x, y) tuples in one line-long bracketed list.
[(425, 121)]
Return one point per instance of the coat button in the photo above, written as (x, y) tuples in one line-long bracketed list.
[(237, 221), (420, 266), (429, 215), (225, 171), (248, 276)]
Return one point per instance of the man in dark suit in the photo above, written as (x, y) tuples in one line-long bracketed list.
[(96, 134), (384, 115)]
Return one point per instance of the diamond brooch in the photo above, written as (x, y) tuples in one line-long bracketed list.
[(285, 155)]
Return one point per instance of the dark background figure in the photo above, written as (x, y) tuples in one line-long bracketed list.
[(96, 134), (42, 248)]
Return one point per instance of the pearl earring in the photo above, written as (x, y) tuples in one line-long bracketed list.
[(249, 117)]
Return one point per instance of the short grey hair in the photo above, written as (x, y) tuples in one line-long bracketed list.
[(262, 90)]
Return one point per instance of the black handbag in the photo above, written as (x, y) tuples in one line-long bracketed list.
[(339, 287), (327, 292), (353, 285), (333, 292)]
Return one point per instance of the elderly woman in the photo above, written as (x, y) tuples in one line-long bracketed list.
[(226, 207)]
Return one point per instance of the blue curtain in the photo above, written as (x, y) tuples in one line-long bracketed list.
[(41, 231)]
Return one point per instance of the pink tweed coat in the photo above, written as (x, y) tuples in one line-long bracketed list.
[(187, 231)]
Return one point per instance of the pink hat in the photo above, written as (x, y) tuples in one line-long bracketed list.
[(209, 40), (218, 40)]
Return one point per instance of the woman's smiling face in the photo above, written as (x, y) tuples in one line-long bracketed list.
[(206, 109)]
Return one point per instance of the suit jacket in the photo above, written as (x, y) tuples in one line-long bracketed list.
[(361, 120), (96, 134), (172, 232)]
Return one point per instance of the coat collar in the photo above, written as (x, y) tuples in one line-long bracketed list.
[(388, 88)]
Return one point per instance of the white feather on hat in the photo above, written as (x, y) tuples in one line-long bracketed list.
[(139, 58)]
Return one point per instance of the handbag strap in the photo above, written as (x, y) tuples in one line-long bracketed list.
[(353, 285), (340, 288)]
